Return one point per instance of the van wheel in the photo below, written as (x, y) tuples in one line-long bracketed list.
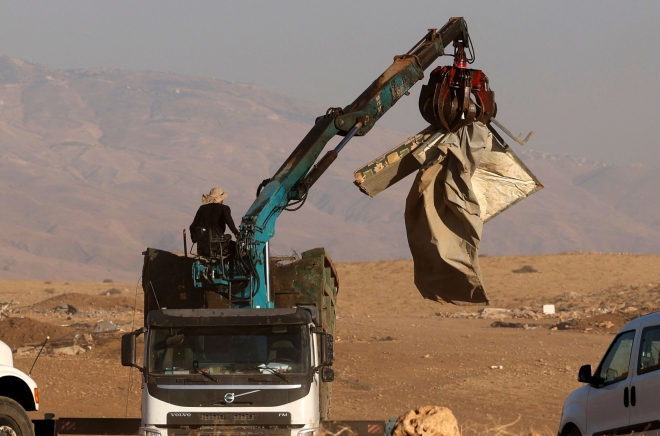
[(13, 419), (573, 431)]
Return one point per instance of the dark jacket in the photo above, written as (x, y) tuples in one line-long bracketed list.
[(214, 215)]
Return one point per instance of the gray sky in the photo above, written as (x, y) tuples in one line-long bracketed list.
[(582, 75)]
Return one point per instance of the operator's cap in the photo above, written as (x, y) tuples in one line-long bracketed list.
[(215, 195)]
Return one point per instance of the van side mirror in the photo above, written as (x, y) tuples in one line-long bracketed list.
[(128, 350), (584, 375), (327, 349)]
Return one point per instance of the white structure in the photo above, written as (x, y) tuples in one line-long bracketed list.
[(549, 309), (621, 396), (18, 394)]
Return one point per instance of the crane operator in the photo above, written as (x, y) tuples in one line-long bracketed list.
[(212, 217)]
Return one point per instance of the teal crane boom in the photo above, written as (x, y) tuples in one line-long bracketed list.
[(288, 188)]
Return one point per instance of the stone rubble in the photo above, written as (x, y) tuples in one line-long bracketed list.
[(105, 326), (525, 313), (71, 350)]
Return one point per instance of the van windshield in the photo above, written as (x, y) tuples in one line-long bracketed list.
[(229, 350)]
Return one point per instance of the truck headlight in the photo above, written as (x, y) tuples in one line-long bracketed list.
[(309, 432), (149, 432)]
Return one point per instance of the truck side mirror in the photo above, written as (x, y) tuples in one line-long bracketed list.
[(327, 374), (584, 375), (128, 350), (327, 349)]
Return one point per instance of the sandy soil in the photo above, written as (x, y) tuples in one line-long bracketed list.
[(395, 351)]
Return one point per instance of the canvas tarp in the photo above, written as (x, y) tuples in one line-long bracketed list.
[(464, 179)]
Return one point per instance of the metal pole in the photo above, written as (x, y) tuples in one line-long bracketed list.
[(510, 134), (267, 260), (327, 160), (37, 358), (348, 136)]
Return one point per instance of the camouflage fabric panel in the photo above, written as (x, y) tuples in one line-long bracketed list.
[(310, 280), (392, 166)]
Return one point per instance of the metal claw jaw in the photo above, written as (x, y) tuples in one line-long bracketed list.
[(456, 96)]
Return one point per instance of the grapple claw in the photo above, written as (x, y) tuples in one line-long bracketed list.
[(456, 96)]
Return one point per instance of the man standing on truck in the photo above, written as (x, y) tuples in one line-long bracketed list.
[(211, 220)]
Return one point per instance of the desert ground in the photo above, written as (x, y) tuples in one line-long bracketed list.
[(394, 350)]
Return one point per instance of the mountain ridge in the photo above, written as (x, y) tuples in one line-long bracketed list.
[(96, 165)]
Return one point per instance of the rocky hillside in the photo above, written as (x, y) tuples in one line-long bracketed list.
[(586, 206), (96, 165)]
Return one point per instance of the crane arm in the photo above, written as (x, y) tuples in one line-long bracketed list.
[(288, 188), (287, 183)]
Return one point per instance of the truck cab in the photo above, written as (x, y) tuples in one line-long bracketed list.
[(18, 394), (226, 370), (621, 395)]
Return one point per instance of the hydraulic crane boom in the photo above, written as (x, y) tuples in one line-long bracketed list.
[(288, 188), (234, 337)]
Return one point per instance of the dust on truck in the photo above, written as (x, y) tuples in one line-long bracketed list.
[(18, 394), (208, 367)]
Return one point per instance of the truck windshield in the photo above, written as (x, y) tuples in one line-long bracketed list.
[(229, 350)]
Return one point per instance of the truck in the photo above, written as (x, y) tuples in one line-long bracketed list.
[(237, 341), (208, 364), (19, 394)]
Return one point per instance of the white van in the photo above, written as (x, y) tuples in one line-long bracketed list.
[(623, 394)]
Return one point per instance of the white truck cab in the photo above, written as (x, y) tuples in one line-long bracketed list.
[(232, 371), (623, 395), (18, 394)]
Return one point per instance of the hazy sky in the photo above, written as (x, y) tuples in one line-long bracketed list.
[(582, 75)]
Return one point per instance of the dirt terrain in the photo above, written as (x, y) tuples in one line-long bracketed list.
[(395, 351)]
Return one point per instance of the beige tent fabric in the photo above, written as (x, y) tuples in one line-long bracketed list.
[(442, 217), (501, 181)]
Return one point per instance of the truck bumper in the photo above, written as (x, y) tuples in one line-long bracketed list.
[(227, 431)]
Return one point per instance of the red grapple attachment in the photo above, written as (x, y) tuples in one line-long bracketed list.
[(457, 96)]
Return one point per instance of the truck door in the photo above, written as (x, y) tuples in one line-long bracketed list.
[(608, 404), (645, 385)]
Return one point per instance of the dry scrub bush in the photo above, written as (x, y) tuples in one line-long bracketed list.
[(427, 421), (440, 421)]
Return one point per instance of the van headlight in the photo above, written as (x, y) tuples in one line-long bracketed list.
[(149, 432), (309, 432)]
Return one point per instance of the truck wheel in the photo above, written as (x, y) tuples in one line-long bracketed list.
[(13, 419)]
